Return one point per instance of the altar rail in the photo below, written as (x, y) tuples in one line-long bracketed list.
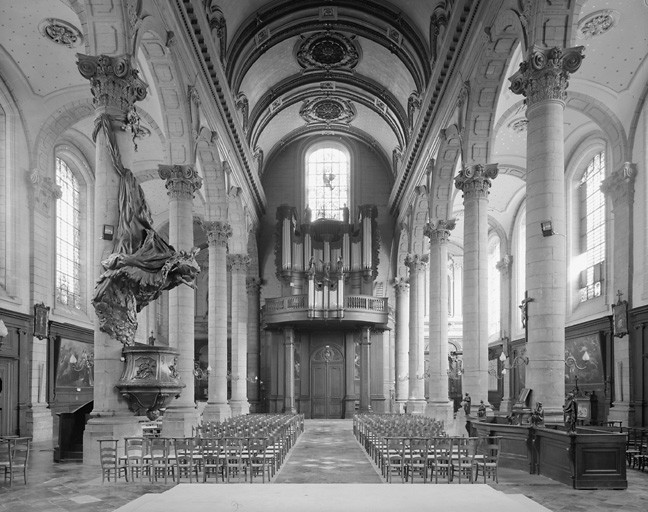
[(355, 308)]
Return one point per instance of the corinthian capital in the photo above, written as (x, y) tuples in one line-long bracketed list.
[(439, 232), (253, 285), (545, 73), (181, 180), (475, 180), (114, 81), (217, 232), (619, 185), (44, 189), (416, 262), (238, 262), (401, 285)]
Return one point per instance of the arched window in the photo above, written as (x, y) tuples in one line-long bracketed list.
[(494, 288), (327, 180), (592, 228), (68, 237)]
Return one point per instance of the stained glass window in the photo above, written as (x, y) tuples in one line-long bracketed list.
[(327, 182), (592, 228), (68, 237)]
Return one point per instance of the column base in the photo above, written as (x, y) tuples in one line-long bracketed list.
[(441, 411), (622, 411), (378, 404), (216, 412), (415, 406), (239, 407), (255, 406), (178, 422), (289, 409), (108, 427), (400, 406), (349, 406), (39, 424)]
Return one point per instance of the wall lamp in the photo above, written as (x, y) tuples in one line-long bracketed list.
[(571, 362), (107, 232), (3, 332), (519, 360), (547, 228)]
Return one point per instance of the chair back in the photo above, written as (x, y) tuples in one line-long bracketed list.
[(108, 453)]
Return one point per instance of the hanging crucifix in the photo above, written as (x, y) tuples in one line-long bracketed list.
[(524, 308)]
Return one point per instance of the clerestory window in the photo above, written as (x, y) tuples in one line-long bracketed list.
[(592, 228), (327, 180), (68, 237)]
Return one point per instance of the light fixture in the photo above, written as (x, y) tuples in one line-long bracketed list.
[(3, 332), (571, 362), (519, 360), (107, 232), (547, 228)]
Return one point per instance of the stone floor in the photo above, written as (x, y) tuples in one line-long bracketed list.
[(325, 453)]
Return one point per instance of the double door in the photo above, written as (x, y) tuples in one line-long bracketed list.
[(327, 383)]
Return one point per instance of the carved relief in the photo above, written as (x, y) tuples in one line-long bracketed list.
[(413, 104), (217, 232), (181, 180), (243, 105), (327, 50), (619, 185), (238, 263), (597, 23), (44, 189), (327, 110), (60, 32), (475, 180), (519, 125), (439, 232), (218, 27)]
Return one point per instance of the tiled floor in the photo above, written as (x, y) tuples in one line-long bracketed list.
[(325, 453)]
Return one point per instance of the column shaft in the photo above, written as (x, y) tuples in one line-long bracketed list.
[(238, 264), (365, 370), (253, 345), (402, 343), (416, 399), (289, 375)]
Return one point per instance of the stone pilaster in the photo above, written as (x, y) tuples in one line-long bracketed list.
[(181, 183), (439, 406), (475, 183), (619, 187), (504, 268), (238, 264), (217, 408), (416, 400), (289, 373), (365, 370), (116, 87), (253, 286), (543, 79), (402, 343)]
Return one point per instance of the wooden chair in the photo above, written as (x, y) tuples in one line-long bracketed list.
[(463, 461), (258, 462), (235, 463), (441, 462), (213, 462), (187, 461), (136, 454), (489, 459), (394, 458), (161, 459), (417, 458), (110, 463)]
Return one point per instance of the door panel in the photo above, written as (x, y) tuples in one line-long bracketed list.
[(318, 390), (327, 383), (8, 396)]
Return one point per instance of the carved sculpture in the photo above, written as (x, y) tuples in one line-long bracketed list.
[(142, 264)]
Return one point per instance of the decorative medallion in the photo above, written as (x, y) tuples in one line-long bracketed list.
[(60, 32), (519, 125), (327, 110), (597, 23), (327, 50)]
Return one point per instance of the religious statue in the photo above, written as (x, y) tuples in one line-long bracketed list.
[(340, 265), (311, 267), (466, 404), (570, 412), (537, 416), (481, 410)]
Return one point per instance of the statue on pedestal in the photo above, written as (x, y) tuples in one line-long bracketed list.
[(570, 412), (466, 404)]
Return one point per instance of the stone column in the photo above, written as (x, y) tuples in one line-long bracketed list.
[(217, 408), (365, 370), (289, 373), (619, 186), (402, 343), (504, 268), (115, 89), (181, 183), (34, 415), (253, 286), (416, 400), (439, 406), (475, 181), (543, 79), (238, 265), (350, 395)]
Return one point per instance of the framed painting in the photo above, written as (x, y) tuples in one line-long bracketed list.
[(620, 317), (41, 321)]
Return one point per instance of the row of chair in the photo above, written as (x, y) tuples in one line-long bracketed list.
[(637, 447), (14, 457), (256, 452), (427, 455)]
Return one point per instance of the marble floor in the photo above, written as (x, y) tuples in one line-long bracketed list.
[(326, 453)]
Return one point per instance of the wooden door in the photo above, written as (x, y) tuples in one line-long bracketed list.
[(327, 382), (8, 396)]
